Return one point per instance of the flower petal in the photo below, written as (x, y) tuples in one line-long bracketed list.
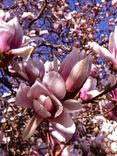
[(57, 104), (6, 35), (72, 105), (54, 83), (21, 97), (79, 74), (31, 126), (64, 123), (37, 89), (40, 110), (18, 36), (33, 69), (69, 62)]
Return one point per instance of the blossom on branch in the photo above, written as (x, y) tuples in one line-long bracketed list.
[(11, 37), (47, 95)]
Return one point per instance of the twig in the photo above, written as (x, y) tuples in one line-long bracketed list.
[(39, 14)]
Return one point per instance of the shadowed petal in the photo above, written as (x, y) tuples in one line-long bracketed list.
[(64, 123), (72, 105), (57, 104), (33, 69), (31, 126), (54, 82), (21, 96), (6, 36), (18, 36)]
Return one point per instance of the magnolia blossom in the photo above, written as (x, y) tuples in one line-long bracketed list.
[(75, 69), (11, 35), (44, 99), (111, 54), (89, 90), (46, 96)]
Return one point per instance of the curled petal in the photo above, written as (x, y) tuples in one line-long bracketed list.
[(40, 109), (31, 126), (64, 123), (58, 89), (72, 105), (57, 104), (21, 97)]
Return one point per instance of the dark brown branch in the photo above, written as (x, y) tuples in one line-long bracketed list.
[(39, 14)]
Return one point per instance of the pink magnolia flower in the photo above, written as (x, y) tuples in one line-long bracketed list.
[(75, 69), (89, 90), (11, 36), (44, 98), (111, 54)]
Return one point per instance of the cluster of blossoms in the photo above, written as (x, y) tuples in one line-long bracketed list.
[(47, 87), (48, 83), (45, 94)]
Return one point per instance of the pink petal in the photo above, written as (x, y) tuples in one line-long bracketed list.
[(79, 74), (37, 89), (6, 36), (58, 105), (69, 62), (18, 36), (55, 84), (94, 71), (21, 97), (72, 105), (31, 126), (64, 123), (40, 110), (57, 135), (48, 105), (33, 69)]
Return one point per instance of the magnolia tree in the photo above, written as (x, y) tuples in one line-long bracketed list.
[(58, 87)]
